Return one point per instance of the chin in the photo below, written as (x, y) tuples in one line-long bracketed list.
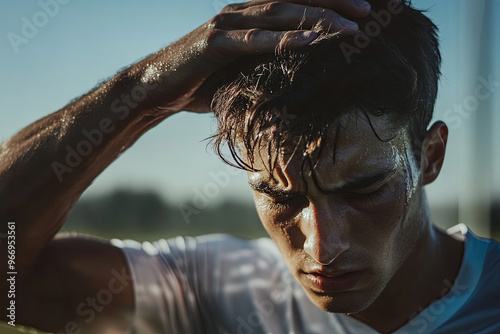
[(342, 302)]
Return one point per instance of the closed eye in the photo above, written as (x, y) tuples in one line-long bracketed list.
[(369, 190), (293, 203), (369, 194)]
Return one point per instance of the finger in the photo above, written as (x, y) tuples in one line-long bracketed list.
[(346, 8), (285, 16), (257, 41)]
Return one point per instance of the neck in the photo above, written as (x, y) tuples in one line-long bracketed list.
[(425, 276)]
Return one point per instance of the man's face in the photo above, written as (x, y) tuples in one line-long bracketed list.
[(345, 226)]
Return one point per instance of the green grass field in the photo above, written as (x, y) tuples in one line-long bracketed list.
[(7, 329)]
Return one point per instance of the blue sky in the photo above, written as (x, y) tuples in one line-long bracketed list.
[(88, 41)]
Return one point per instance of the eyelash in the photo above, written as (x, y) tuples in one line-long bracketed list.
[(372, 196), (284, 204)]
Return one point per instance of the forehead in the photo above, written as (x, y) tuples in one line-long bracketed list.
[(352, 149)]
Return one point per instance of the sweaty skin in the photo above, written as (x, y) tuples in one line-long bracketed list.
[(361, 212), (57, 274)]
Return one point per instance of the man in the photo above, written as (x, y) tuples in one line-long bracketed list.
[(333, 131)]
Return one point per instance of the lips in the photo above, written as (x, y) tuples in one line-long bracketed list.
[(323, 281)]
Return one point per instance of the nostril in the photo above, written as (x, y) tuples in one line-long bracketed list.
[(325, 262), (314, 248), (324, 251)]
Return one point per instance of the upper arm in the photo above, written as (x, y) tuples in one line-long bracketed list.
[(77, 283)]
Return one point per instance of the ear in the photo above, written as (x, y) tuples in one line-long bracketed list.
[(433, 150)]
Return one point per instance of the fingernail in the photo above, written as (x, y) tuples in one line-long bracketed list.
[(308, 35), (363, 4), (347, 23)]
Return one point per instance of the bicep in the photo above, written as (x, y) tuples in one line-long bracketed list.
[(77, 283)]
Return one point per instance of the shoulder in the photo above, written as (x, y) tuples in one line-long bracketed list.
[(481, 261), (75, 276), (484, 251), (487, 252), (477, 290)]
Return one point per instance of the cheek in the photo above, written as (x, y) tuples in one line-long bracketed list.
[(286, 234), (393, 230), (267, 217), (263, 209), (376, 225)]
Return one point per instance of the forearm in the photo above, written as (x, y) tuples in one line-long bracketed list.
[(46, 166)]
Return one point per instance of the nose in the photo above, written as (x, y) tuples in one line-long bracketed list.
[(326, 232)]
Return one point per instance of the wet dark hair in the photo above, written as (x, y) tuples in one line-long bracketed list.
[(289, 100)]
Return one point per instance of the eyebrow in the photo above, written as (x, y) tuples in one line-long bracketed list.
[(355, 183)]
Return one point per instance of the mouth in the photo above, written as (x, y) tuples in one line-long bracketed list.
[(326, 282)]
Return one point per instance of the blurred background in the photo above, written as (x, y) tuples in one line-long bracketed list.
[(169, 182)]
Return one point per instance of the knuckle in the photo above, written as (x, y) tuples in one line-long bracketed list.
[(217, 20), (328, 19), (231, 8), (252, 34), (287, 39), (286, 36), (289, 35), (272, 8), (212, 37)]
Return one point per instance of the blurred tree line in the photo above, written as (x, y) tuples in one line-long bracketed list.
[(146, 216)]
